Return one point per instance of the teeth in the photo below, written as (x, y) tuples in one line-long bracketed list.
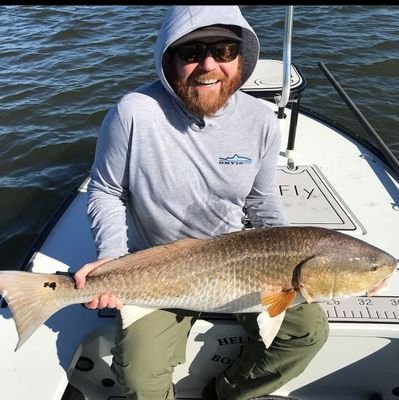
[(207, 82)]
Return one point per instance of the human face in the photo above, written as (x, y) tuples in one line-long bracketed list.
[(206, 85)]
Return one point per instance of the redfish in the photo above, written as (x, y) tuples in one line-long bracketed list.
[(263, 270)]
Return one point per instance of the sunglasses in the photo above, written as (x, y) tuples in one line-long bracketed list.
[(197, 51)]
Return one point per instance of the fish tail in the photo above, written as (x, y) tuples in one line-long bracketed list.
[(32, 298)]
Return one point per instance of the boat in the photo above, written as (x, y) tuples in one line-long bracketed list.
[(328, 177)]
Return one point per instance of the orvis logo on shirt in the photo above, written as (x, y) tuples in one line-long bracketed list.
[(235, 160)]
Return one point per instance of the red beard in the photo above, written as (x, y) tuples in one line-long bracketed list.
[(205, 104)]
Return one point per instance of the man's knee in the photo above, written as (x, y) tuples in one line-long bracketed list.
[(306, 321), (302, 335)]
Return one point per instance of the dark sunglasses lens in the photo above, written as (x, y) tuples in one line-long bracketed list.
[(192, 52), (225, 52), (221, 52)]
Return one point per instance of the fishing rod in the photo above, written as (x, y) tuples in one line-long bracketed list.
[(391, 160)]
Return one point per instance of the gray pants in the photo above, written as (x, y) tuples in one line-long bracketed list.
[(146, 353)]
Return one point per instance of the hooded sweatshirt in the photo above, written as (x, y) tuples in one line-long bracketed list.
[(161, 173)]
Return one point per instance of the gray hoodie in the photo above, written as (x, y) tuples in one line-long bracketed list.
[(161, 173)]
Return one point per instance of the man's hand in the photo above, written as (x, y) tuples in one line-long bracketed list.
[(107, 299)]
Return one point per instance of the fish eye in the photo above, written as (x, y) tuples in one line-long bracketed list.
[(374, 267)]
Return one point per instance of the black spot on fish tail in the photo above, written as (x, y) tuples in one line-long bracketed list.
[(51, 285)]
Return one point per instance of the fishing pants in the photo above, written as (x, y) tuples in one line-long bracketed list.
[(146, 353)]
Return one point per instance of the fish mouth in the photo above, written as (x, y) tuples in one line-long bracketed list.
[(381, 286)]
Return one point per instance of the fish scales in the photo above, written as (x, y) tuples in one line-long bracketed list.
[(226, 274), (192, 277)]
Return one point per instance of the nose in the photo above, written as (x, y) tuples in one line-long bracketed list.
[(208, 63)]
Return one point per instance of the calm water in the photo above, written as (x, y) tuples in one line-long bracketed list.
[(63, 67)]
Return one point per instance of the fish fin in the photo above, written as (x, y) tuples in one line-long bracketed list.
[(132, 313), (307, 294), (269, 326), (32, 299), (277, 302)]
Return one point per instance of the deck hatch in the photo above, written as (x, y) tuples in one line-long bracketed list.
[(309, 199)]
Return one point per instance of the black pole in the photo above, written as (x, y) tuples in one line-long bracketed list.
[(389, 156), (293, 122)]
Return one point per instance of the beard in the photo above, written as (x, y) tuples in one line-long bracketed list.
[(200, 102)]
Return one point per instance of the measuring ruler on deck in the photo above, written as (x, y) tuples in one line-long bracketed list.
[(383, 309)]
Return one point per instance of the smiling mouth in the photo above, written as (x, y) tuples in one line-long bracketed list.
[(207, 82)]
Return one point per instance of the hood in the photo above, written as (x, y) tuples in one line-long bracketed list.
[(180, 20)]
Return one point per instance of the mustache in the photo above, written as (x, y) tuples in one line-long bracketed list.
[(208, 76)]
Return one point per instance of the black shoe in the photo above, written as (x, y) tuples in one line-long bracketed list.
[(209, 391)]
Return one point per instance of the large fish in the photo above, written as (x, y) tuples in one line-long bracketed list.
[(260, 270)]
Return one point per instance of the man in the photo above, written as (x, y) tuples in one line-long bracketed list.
[(161, 173)]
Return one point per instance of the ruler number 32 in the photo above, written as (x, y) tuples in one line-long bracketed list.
[(364, 302)]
